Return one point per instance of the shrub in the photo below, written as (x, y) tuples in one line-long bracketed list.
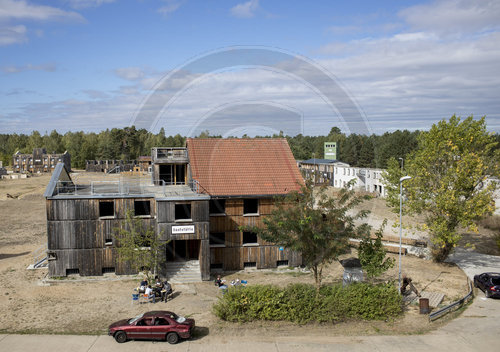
[(300, 303)]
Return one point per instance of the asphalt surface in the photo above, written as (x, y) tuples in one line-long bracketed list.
[(477, 329)]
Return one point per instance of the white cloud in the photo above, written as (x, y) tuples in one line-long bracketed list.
[(22, 10), (12, 34), (48, 67), (13, 11), (170, 7), (454, 17), (246, 9), (82, 4), (130, 73)]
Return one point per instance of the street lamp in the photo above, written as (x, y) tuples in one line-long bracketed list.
[(404, 178)]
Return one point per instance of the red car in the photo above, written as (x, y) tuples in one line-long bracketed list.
[(157, 325)]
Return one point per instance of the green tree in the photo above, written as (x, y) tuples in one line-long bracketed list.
[(315, 224), (372, 255), (139, 246), (448, 171)]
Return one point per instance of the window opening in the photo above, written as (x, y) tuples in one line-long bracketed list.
[(217, 206), (183, 211), (282, 263), (217, 239), (250, 206), (249, 238), (106, 208), (142, 207)]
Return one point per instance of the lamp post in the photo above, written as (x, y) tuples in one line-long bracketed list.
[(402, 163), (404, 178)]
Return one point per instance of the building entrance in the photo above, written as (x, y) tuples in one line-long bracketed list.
[(181, 250)]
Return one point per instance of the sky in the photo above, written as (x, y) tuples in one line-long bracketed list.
[(255, 67)]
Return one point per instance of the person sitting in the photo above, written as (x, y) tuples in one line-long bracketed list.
[(143, 286), (220, 283), (149, 294)]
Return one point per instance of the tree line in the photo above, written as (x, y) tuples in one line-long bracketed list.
[(129, 143)]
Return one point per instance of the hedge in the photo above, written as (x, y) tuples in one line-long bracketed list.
[(299, 303)]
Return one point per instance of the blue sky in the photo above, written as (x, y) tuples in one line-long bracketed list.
[(95, 64)]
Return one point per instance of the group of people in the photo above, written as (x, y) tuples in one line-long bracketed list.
[(222, 283), (161, 289)]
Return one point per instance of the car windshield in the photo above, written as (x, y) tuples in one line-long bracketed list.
[(133, 320), (495, 280), (180, 319)]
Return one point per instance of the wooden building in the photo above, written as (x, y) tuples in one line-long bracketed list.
[(196, 200), (39, 162)]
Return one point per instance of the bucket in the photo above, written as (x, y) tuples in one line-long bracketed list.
[(424, 306)]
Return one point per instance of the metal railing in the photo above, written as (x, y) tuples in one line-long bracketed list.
[(40, 256), (126, 187), (455, 305)]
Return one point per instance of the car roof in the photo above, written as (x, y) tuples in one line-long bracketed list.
[(156, 313)]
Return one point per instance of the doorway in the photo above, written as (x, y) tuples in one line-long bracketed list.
[(181, 250)]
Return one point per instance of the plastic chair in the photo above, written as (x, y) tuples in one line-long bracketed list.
[(135, 298)]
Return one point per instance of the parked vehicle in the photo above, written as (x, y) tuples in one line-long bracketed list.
[(489, 283), (156, 325)]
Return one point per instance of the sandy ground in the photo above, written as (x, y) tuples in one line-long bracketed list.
[(89, 305)]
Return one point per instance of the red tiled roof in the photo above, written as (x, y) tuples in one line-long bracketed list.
[(231, 167)]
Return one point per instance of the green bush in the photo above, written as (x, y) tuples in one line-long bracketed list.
[(299, 303)]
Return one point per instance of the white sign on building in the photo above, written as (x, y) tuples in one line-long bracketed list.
[(182, 229)]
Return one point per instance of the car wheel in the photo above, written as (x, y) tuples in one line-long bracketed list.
[(120, 337), (172, 338)]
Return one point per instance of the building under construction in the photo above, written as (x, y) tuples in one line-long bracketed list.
[(196, 199)]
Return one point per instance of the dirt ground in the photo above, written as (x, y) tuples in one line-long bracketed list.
[(30, 304)]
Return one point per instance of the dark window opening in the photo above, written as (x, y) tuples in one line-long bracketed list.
[(216, 266), (142, 207), (161, 321), (106, 208), (180, 174), (166, 174), (217, 206), (282, 263), (183, 212), (108, 242), (72, 272), (217, 238), (108, 270), (250, 206), (250, 264), (249, 238)]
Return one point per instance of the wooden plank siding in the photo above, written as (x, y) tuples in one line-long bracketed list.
[(88, 209), (166, 210), (77, 236), (80, 239), (235, 254), (89, 262)]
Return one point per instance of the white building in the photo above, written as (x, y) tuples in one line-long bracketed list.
[(338, 174)]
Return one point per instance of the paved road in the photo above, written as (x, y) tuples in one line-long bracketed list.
[(477, 329)]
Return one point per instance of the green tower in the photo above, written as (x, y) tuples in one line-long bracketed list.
[(331, 150)]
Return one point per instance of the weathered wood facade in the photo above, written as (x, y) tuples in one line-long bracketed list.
[(234, 254), (81, 241), (193, 223)]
